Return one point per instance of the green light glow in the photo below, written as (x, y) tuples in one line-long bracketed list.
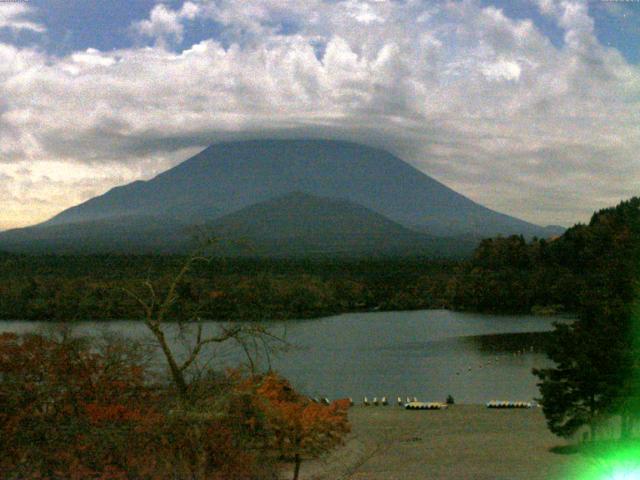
[(622, 463), (617, 459), (626, 474)]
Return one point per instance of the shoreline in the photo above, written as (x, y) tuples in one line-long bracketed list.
[(319, 316)]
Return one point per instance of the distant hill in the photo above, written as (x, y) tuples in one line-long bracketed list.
[(227, 178), (302, 224), (293, 225)]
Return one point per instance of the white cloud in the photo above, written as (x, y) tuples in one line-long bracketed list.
[(502, 70), (548, 7), (163, 24), (14, 16), (484, 103), (189, 10), (362, 12), (93, 58)]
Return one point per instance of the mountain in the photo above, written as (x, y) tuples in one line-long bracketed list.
[(136, 234), (229, 176), (296, 224), (227, 179), (302, 224)]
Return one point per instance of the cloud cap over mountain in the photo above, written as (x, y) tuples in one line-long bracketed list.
[(485, 101)]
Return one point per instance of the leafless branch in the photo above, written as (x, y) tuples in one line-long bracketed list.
[(156, 310), (147, 309)]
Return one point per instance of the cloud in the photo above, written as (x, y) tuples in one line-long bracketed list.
[(165, 24), (362, 12), (502, 70), (14, 16), (483, 102), (92, 57)]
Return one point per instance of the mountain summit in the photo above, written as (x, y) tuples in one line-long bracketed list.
[(228, 177)]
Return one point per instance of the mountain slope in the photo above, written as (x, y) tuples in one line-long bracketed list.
[(229, 176), (293, 225), (302, 224), (134, 233)]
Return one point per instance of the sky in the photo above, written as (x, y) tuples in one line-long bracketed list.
[(529, 107)]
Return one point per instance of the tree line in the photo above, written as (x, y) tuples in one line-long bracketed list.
[(563, 274), (93, 287), (511, 275)]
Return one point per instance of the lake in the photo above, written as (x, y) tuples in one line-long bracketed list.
[(428, 354)]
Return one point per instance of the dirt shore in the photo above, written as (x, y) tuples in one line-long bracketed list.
[(462, 442)]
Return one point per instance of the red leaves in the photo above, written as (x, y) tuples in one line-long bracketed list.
[(101, 414), (297, 427), (68, 410), (342, 404), (300, 426)]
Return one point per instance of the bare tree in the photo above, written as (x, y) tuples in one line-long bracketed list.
[(156, 309)]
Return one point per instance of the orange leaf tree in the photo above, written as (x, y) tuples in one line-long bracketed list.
[(300, 428), (67, 411)]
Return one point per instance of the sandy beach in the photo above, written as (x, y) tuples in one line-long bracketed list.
[(462, 442)]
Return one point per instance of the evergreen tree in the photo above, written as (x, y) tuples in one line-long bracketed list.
[(597, 357), (584, 384)]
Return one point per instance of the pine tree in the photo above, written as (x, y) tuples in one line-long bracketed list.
[(597, 357)]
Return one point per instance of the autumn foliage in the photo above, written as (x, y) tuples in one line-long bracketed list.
[(69, 411), (300, 427), (66, 412)]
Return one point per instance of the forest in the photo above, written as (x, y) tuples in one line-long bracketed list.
[(597, 357), (94, 287), (563, 274)]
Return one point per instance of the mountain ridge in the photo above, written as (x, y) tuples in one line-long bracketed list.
[(293, 225), (248, 172), (299, 223), (228, 178)]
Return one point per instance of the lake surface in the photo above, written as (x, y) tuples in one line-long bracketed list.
[(427, 354)]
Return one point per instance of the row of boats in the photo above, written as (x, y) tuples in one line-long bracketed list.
[(384, 402), (375, 401), (415, 404), (508, 404)]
